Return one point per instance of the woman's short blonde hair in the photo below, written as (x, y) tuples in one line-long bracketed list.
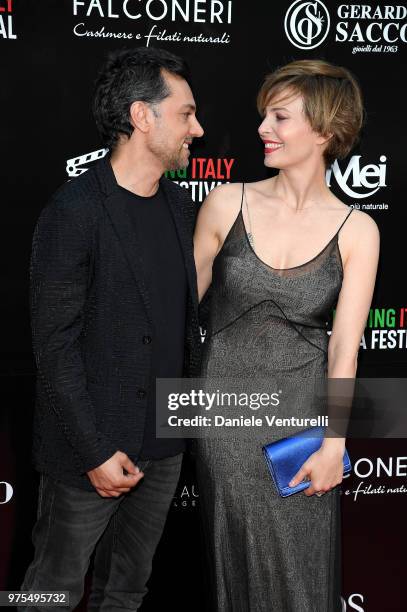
[(332, 98)]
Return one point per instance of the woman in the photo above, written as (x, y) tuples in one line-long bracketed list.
[(280, 254)]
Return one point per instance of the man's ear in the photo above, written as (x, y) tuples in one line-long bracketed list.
[(140, 116)]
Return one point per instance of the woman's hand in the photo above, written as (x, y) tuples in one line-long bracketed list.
[(324, 469)]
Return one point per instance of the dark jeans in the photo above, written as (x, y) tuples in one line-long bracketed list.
[(70, 523)]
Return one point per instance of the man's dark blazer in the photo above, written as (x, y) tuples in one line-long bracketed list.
[(91, 324)]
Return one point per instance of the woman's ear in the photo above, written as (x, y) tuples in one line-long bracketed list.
[(324, 139)]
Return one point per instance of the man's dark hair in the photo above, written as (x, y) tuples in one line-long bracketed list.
[(129, 75)]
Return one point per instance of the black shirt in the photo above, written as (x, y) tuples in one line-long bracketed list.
[(165, 277)]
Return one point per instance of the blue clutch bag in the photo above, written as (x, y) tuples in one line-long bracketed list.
[(285, 457)]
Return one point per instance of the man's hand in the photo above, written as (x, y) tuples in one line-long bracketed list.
[(109, 479)]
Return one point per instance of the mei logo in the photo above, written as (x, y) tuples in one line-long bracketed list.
[(352, 603), (6, 492), (307, 24), (73, 166), (6, 19), (365, 180)]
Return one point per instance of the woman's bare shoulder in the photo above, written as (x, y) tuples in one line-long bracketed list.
[(359, 223), (227, 191), (359, 238), (220, 208), (223, 200), (263, 187), (364, 222), (233, 191)]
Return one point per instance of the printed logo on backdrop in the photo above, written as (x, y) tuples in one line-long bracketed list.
[(352, 603), (366, 28), (360, 181), (6, 492), (373, 27), (186, 496), (78, 165), (379, 471), (202, 175), (307, 24), (154, 21), (386, 329), (6, 20)]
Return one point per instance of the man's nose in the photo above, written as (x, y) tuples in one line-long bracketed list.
[(197, 130)]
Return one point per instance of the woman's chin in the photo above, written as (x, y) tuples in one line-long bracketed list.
[(269, 163)]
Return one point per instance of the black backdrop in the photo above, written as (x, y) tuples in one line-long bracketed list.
[(50, 51)]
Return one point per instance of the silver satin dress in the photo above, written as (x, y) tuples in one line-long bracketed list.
[(267, 553)]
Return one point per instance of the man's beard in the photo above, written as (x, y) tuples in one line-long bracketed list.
[(175, 161), (171, 160)]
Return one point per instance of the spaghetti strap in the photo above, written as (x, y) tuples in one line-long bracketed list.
[(344, 221), (241, 203)]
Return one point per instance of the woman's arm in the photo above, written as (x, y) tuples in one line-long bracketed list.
[(215, 218), (359, 245)]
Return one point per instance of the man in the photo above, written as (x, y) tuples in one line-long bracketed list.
[(114, 305)]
